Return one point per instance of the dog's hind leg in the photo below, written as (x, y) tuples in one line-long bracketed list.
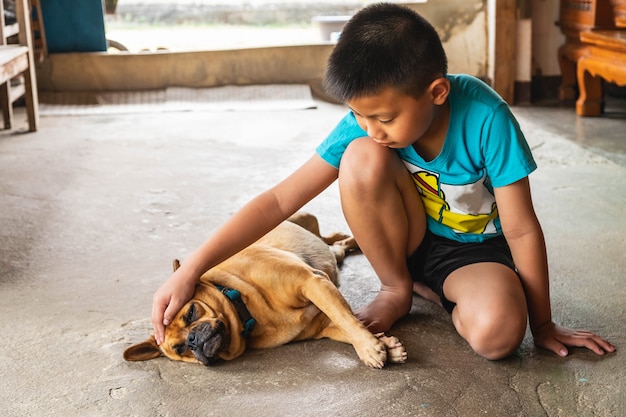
[(307, 221), (340, 248), (340, 243)]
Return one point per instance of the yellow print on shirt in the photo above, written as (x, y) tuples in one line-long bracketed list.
[(467, 208)]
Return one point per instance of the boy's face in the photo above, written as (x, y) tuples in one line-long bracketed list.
[(394, 119)]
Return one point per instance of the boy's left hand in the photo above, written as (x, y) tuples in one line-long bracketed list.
[(556, 338)]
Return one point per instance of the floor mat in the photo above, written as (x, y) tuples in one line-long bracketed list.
[(228, 98)]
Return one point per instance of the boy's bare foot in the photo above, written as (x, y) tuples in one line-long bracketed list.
[(384, 311), (425, 292)]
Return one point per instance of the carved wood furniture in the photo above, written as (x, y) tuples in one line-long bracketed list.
[(605, 60), (576, 16)]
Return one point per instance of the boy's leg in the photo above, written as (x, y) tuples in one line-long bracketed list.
[(386, 216), (490, 311)]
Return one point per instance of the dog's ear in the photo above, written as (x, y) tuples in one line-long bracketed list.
[(176, 264), (143, 351)]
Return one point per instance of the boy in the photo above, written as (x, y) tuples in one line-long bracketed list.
[(432, 173)]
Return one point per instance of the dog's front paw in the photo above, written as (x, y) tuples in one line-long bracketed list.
[(374, 354), (396, 353)]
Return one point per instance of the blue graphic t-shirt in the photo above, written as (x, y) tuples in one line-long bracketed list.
[(484, 148)]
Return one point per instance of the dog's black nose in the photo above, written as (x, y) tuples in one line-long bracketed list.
[(206, 341), (202, 333), (193, 341)]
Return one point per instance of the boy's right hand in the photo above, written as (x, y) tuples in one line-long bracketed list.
[(557, 338), (168, 300)]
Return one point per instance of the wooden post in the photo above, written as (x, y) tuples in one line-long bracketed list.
[(502, 33)]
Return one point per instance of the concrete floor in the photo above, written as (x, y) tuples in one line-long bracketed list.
[(94, 209)]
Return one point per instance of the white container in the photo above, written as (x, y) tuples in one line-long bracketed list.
[(330, 26)]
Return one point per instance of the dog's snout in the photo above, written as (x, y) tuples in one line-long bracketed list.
[(203, 332), (192, 341), (206, 340)]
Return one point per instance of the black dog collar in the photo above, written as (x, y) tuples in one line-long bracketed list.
[(244, 315)]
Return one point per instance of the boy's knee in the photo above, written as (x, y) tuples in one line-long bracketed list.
[(496, 339), (496, 350), (364, 160), (366, 166)]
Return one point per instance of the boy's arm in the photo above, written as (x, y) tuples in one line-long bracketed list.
[(525, 238), (250, 223)]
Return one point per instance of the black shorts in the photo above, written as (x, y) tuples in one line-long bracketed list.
[(437, 257)]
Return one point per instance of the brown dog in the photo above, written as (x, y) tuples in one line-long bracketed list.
[(280, 289)]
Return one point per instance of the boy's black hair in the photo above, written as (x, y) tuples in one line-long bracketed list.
[(385, 45)]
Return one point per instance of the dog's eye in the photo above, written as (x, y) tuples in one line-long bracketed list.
[(190, 317), (180, 349)]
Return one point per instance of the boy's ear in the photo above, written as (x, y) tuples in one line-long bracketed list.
[(439, 90)]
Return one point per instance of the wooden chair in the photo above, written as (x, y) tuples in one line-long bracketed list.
[(40, 46), (17, 64)]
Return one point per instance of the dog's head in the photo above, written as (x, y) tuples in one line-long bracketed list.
[(206, 329)]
